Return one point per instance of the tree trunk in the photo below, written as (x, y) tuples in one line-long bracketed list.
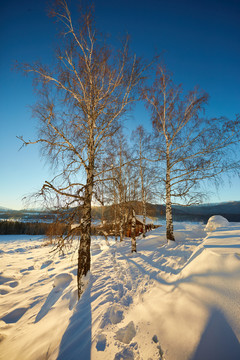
[(84, 255), (121, 196), (144, 214), (133, 232), (115, 222), (143, 193), (121, 225), (169, 220)]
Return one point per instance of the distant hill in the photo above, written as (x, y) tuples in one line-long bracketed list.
[(230, 210), (4, 208), (27, 215)]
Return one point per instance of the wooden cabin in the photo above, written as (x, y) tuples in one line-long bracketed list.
[(139, 226)]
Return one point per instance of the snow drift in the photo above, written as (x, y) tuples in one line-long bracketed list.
[(172, 303), (215, 222)]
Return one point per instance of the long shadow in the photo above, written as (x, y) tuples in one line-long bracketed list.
[(14, 315), (158, 266), (218, 340), (229, 236), (76, 341), (227, 246), (52, 298), (154, 274)]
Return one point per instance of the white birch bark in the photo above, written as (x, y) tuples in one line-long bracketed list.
[(121, 196), (142, 189), (133, 231), (144, 214), (115, 211), (84, 255), (169, 219)]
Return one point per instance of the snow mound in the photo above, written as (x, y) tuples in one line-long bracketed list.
[(215, 222), (61, 280)]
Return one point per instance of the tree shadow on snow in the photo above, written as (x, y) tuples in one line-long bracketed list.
[(227, 246), (218, 340), (76, 341), (52, 298), (152, 268)]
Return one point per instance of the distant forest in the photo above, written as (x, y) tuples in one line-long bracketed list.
[(28, 228)]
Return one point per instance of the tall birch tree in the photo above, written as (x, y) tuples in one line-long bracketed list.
[(81, 99)]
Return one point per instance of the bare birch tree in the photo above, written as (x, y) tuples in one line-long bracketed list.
[(133, 230), (190, 148), (80, 102), (118, 187), (146, 173)]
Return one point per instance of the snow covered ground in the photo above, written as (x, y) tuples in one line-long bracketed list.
[(169, 301)]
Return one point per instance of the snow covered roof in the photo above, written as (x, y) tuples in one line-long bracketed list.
[(148, 220)]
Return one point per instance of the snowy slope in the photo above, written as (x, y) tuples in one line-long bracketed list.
[(178, 301)]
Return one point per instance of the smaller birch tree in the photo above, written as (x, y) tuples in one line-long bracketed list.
[(189, 147), (144, 167)]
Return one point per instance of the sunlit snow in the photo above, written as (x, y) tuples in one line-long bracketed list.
[(172, 302)]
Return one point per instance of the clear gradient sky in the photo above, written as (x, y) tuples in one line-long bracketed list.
[(201, 45)]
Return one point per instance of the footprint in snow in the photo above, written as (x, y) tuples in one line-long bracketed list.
[(30, 268), (9, 281), (126, 300), (5, 279), (114, 315), (4, 291), (101, 342), (160, 350), (12, 284), (46, 264), (127, 333), (14, 315), (125, 354)]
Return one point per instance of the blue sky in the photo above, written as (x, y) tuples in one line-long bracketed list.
[(200, 42)]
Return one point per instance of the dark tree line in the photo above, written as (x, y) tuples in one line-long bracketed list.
[(23, 228)]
